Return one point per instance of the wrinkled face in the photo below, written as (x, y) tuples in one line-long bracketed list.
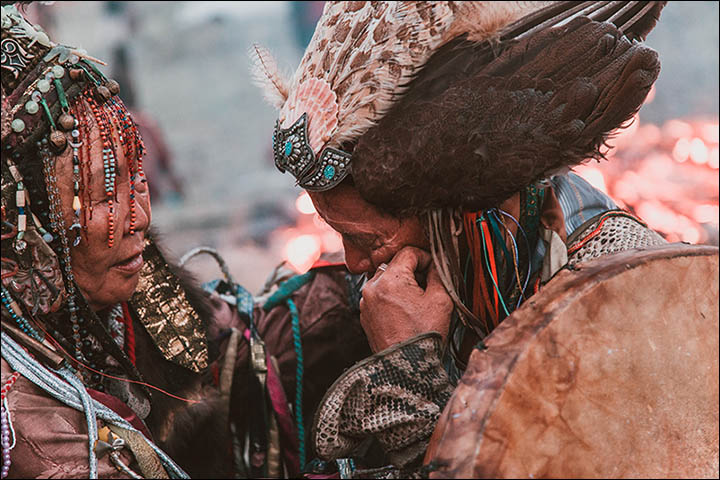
[(370, 236), (105, 275)]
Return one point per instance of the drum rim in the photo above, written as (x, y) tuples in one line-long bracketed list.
[(559, 294)]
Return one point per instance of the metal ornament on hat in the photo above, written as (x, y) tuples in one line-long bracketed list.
[(293, 153), (292, 150), (295, 147)]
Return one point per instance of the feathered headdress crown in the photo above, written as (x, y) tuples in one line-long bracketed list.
[(369, 62)]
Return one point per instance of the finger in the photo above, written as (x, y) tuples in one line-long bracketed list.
[(376, 276), (410, 260), (435, 287), (403, 265), (433, 280)]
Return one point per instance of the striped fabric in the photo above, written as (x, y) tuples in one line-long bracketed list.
[(579, 202)]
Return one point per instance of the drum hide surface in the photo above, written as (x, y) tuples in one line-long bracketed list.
[(611, 370)]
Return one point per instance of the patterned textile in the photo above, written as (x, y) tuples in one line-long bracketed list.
[(167, 315), (37, 280), (612, 232), (396, 395), (579, 202)]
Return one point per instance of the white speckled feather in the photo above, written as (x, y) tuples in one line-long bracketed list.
[(368, 51)]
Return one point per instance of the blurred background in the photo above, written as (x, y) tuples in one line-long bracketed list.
[(184, 71)]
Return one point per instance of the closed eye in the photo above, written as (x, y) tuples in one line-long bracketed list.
[(363, 239)]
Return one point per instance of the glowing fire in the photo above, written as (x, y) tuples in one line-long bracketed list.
[(311, 237), (302, 251), (667, 175), (304, 204)]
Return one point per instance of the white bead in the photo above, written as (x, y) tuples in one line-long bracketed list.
[(31, 107), (58, 71), (43, 86), (18, 125)]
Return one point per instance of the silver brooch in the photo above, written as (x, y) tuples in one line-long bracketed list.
[(292, 153)]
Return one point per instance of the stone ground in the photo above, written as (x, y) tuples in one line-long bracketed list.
[(191, 71)]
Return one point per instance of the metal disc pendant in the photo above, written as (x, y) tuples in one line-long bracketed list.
[(58, 140), (66, 122)]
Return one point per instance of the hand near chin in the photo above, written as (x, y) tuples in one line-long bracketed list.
[(394, 308)]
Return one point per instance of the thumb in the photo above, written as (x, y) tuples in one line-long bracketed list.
[(434, 282), (410, 259)]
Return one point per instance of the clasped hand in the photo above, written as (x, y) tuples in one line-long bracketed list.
[(395, 308)]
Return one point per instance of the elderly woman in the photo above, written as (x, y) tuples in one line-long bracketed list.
[(113, 365)]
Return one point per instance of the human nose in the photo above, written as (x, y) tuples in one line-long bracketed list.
[(356, 260), (138, 217)]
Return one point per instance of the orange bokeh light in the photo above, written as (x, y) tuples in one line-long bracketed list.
[(302, 251)]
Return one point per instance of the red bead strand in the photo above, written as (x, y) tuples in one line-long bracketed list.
[(8, 385)]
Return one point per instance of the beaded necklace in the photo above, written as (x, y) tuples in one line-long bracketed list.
[(57, 223), (12, 307), (76, 205), (6, 425)]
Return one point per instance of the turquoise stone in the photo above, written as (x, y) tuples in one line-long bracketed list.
[(329, 172), (288, 148)]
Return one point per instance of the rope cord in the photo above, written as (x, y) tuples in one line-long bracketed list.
[(298, 380), (284, 294), (488, 251), (90, 416), (489, 259), (527, 243), (516, 254), (74, 396), (480, 290), (516, 257), (492, 220), (286, 289)]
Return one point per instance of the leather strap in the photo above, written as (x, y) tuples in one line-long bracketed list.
[(150, 464)]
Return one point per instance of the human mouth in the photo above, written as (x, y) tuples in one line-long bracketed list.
[(130, 265)]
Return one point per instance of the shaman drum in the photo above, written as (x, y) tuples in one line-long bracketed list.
[(610, 371)]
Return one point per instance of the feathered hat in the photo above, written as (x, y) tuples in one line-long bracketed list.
[(457, 104)]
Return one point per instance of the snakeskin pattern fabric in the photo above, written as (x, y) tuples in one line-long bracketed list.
[(611, 234), (396, 396)]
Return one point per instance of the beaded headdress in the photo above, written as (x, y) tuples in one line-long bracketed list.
[(51, 94), (456, 104)]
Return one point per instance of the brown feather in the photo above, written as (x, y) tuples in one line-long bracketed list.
[(473, 135)]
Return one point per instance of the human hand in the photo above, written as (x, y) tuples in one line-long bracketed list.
[(394, 308)]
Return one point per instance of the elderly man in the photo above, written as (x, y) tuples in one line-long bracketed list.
[(436, 138)]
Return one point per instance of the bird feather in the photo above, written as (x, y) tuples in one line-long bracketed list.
[(266, 75)]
